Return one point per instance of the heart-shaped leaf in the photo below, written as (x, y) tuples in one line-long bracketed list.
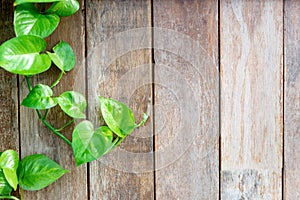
[(40, 98), (63, 56), (18, 2), (29, 21), (9, 162), (72, 103), (38, 171), (21, 55), (89, 145), (5, 188), (118, 117), (64, 8)]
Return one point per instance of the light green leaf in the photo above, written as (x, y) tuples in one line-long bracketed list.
[(29, 21), (63, 56), (9, 162), (89, 145), (40, 98), (38, 171), (72, 103), (118, 117), (21, 55), (64, 8), (5, 188), (18, 2)]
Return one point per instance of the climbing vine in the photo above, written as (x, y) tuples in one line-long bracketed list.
[(26, 55)]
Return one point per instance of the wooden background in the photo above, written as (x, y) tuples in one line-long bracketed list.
[(224, 109)]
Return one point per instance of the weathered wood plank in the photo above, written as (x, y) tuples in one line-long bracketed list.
[(292, 99), (9, 129), (117, 68), (186, 99), (251, 99), (36, 138)]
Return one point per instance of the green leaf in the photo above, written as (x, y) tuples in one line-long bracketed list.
[(38, 171), (72, 103), (29, 21), (18, 2), (63, 56), (5, 188), (64, 8), (89, 145), (40, 98), (9, 162), (21, 55), (117, 116)]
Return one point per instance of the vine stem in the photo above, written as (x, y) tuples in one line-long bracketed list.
[(45, 122), (64, 126), (57, 80), (9, 197)]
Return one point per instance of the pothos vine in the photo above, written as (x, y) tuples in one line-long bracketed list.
[(25, 55)]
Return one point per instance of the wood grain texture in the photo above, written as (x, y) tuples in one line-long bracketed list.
[(36, 138), (186, 99), (9, 132), (251, 98), (292, 99), (117, 68)]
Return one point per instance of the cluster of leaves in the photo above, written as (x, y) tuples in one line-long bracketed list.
[(33, 172), (25, 55)]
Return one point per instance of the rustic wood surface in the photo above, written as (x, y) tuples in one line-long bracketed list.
[(186, 99), (176, 154), (251, 99), (117, 74), (9, 129), (292, 99), (36, 138)]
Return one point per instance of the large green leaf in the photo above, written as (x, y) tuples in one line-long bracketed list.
[(40, 98), (29, 21), (21, 55), (89, 145), (18, 2), (38, 171), (64, 8), (117, 116), (9, 162), (72, 103), (5, 188), (63, 56)]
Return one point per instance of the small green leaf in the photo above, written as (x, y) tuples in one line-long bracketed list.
[(5, 188), (117, 116), (63, 56), (64, 8), (40, 98), (21, 55), (29, 21), (72, 103), (9, 162), (38, 171), (18, 2), (89, 145)]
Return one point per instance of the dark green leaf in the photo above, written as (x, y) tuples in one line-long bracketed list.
[(64, 8), (5, 188), (9, 162), (21, 55), (38, 171), (72, 103), (29, 21), (89, 145), (117, 116), (63, 56), (18, 2), (40, 98)]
